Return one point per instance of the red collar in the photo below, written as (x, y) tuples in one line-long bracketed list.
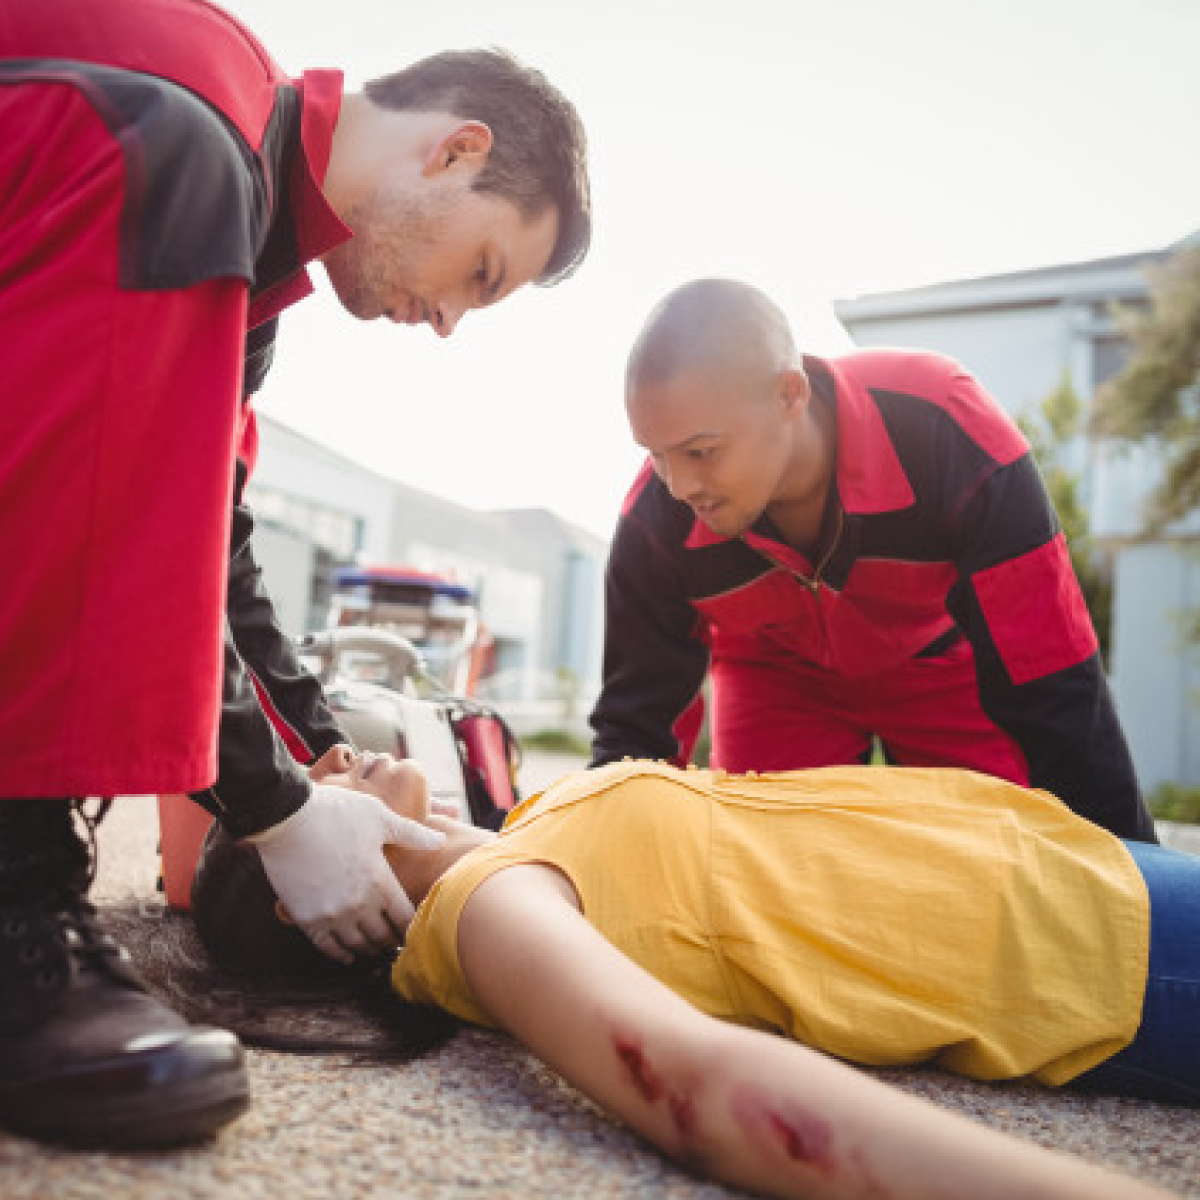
[(318, 227), (870, 478)]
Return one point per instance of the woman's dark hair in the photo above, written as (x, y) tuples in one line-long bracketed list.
[(234, 912), (538, 157), (233, 905)]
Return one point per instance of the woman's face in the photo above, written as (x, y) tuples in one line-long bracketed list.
[(399, 783)]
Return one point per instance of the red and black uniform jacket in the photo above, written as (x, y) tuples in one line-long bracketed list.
[(247, 205), (946, 531)]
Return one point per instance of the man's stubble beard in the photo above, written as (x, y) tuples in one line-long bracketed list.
[(369, 270)]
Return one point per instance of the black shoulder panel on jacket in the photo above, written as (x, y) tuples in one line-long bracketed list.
[(943, 463), (279, 256), (196, 206)]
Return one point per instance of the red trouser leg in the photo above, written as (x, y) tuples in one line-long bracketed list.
[(928, 714), (783, 714), (116, 464)]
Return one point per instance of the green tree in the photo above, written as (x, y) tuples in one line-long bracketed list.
[(1052, 429), (1156, 396)]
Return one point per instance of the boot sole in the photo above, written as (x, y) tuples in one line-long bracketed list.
[(182, 1092)]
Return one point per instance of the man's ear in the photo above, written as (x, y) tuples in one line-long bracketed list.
[(467, 142), (794, 390)]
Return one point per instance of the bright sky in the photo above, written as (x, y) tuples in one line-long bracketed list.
[(816, 148)]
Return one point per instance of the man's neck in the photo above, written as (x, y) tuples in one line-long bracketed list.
[(801, 515)]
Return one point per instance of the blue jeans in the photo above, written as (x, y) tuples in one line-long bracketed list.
[(1163, 1061)]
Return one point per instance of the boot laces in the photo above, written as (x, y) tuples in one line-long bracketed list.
[(92, 948), (90, 822), (71, 864)]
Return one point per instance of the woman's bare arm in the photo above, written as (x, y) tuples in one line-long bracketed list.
[(741, 1106)]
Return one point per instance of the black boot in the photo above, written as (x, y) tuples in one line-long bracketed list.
[(87, 1055)]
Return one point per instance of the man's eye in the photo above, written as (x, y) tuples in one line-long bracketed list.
[(700, 453)]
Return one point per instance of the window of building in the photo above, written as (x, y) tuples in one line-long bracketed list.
[(1109, 352), (338, 532)]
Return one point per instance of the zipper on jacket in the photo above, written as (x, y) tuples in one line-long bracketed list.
[(813, 581)]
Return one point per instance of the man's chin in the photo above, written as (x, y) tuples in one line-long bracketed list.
[(356, 301), (359, 308), (723, 524)]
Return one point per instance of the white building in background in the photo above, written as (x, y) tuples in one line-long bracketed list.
[(538, 579), (1020, 334)]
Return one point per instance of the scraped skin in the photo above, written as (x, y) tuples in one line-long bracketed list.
[(803, 1135)]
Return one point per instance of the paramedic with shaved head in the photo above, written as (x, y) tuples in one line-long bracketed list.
[(163, 185), (847, 549)]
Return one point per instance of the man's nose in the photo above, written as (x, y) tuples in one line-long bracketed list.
[(678, 480), (444, 318)]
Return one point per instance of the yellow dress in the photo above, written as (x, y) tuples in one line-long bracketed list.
[(884, 915)]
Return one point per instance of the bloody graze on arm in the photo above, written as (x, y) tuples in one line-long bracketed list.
[(639, 1071), (785, 1125), (651, 1086)]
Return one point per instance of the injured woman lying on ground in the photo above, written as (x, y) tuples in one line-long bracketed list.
[(650, 932)]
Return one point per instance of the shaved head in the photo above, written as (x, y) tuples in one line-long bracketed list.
[(716, 394), (717, 328)]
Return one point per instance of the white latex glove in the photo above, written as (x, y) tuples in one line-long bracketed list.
[(327, 866)]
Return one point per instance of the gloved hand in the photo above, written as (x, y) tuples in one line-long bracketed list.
[(327, 866)]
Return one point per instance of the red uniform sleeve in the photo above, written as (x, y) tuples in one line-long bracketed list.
[(1036, 612)]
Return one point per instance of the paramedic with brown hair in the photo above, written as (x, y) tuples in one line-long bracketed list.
[(851, 548), (164, 185)]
